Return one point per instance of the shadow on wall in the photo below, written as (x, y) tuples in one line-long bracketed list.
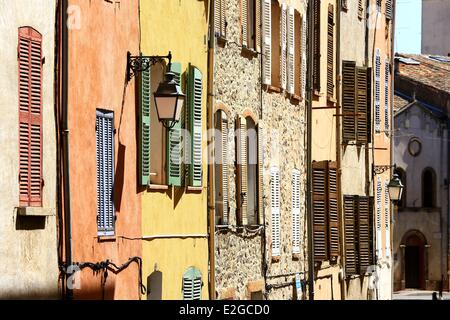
[(119, 176), (154, 286), (30, 222)]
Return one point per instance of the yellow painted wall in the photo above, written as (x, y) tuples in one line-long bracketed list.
[(182, 28)]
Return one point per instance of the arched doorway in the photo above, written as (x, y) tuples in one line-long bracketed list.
[(414, 260)]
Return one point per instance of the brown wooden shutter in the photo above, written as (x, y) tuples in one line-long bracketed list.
[(369, 105), (364, 233), (361, 105), (316, 46), (258, 25), (330, 52), (241, 165), (348, 100), (30, 117), (244, 22), (320, 235), (351, 237), (333, 210)]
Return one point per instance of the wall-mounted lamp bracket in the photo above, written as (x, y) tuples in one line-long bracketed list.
[(137, 64)]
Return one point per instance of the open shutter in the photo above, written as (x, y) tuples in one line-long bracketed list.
[(144, 117), (283, 43), (361, 105), (387, 220), (224, 138), (377, 91), (303, 53), (351, 236), (175, 141), (243, 150), (260, 173), (333, 210), (378, 220), (330, 52), (364, 237), (275, 210), (258, 25), (244, 22), (386, 96), (290, 50), (348, 100), (267, 41), (360, 9), (105, 172), (389, 9), (195, 111), (316, 46), (192, 285), (219, 18), (296, 211), (30, 117), (369, 105), (319, 177)]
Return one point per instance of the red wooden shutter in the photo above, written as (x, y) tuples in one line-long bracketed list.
[(30, 117), (320, 238)]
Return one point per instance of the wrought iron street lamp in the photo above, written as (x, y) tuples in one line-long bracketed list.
[(395, 187)]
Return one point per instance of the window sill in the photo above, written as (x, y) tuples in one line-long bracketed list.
[(36, 211), (296, 98), (106, 238), (275, 89), (194, 189), (249, 52), (296, 256), (276, 259), (158, 187), (332, 100), (318, 94), (221, 40)]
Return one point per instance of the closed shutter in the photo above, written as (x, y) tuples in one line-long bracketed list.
[(377, 91), (364, 235), (175, 141), (330, 52), (351, 236), (244, 22), (260, 173), (219, 18), (144, 112), (378, 217), (30, 117), (348, 100), (195, 122), (192, 285), (275, 210), (290, 50), (258, 25), (295, 211), (333, 211), (361, 105), (316, 46), (369, 105), (105, 172), (243, 150), (283, 43), (389, 9), (224, 137), (303, 53), (387, 219), (320, 235), (267, 41), (386, 96)]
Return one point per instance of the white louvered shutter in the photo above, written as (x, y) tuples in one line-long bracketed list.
[(275, 209), (267, 41), (244, 168), (378, 218), (303, 53), (295, 211), (260, 173), (386, 96), (192, 285), (389, 9), (377, 91), (244, 22), (291, 49), (225, 167), (196, 121), (219, 18), (105, 172), (387, 219), (283, 43)]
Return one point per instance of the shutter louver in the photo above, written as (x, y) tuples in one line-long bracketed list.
[(175, 143), (260, 174), (351, 237), (145, 104), (361, 105), (225, 169), (192, 285), (244, 22), (295, 211), (267, 42), (378, 217), (387, 219), (258, 25), (389, 9), (105, 172), (303, 53), (275, 208), (348, 97), (330, 52), (283, 43), (196, 122), (364, 237), (244, 168), (316, 46), (320, 236), (377, 91), (333, 211), (30, 117), (290, 50), (386, 96)]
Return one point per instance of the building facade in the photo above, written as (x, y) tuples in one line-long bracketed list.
[(435, 25), (28, 235)]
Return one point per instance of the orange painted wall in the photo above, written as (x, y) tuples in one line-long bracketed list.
[(97, 65)]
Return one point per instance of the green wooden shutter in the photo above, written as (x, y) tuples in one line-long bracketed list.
[(144, 129), (192, 284), (175, 142), (195, 124)]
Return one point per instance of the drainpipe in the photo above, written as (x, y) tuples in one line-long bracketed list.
[(65, 144), (211, 172), (309, 151)]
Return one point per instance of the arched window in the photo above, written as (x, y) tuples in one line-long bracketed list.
[(428, 188), (402, 176)]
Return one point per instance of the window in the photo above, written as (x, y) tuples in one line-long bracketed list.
[(291, 48), (358, 215), (220, 23), (248, 193), (377, 91), (192, 284), (428, 188), (221, 167), (267, 41), (386, 95), (379, 195), (30, 117), (275, 211), (325, 211), (250, 23), (356, 103), (402, 176), (387, 207), (330, 53), (295, 211), (105, 172), (316, 47)]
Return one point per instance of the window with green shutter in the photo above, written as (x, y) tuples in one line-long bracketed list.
[(192, 284), (144, 126)]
